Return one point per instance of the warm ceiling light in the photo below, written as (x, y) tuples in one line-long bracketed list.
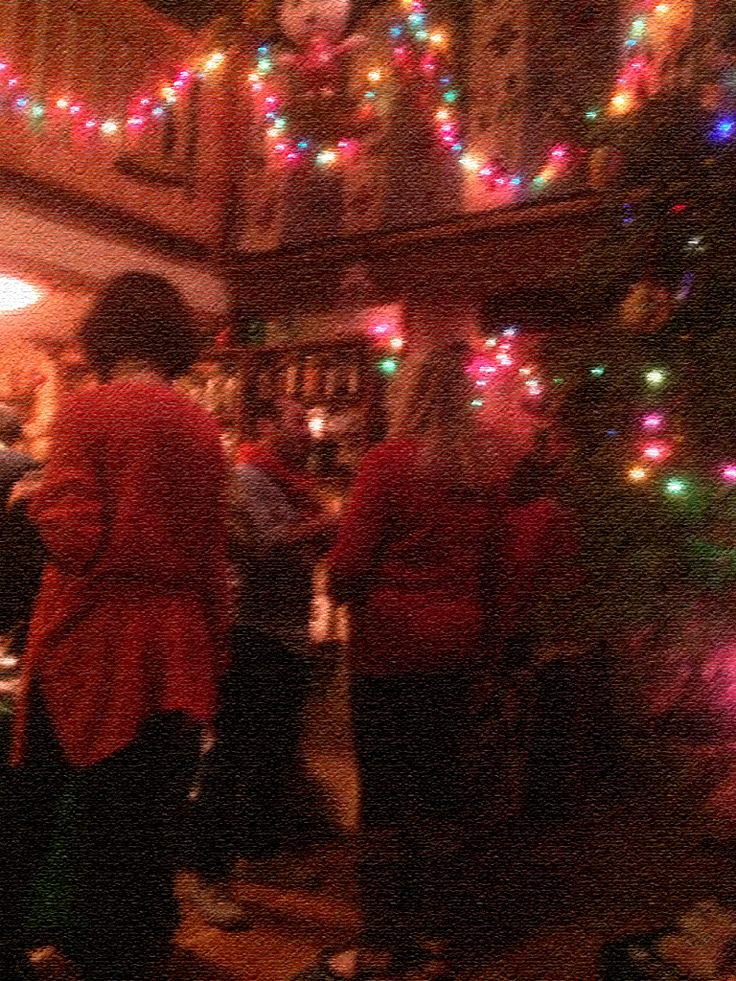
[(15, 294)]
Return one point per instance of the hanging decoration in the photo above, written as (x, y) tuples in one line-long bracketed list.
[(142, 112), (640, 74), (417, 45), (420, 48)]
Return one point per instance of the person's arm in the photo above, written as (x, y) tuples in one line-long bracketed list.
[(265, 522), (363, 526), (68, 507)]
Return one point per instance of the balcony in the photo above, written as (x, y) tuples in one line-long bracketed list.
[(109, 106)]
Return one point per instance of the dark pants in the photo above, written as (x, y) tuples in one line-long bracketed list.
[(253, 799), (117, 826), (413, 737)]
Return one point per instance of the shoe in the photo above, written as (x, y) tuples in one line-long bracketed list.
[(219, 908)]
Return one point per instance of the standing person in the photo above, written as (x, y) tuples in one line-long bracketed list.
[(20, 548), (127, 640), (252, 801), (415, 562)]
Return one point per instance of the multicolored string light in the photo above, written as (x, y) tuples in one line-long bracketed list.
[(144, 111), (636, 76)]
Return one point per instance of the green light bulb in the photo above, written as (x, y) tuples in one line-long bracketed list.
[(598, 370), (477, 403), (675, 487), (388, 366), (638, 27)]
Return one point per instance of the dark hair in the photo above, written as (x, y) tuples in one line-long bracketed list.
[(11, 427), (140, 316)]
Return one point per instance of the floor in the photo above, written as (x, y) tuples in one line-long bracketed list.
[(553, 895), (622, 859)]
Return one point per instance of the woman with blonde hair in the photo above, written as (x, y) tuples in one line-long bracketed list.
[(416, 562)]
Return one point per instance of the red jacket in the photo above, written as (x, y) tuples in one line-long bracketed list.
[(131, 618), (415, 559)]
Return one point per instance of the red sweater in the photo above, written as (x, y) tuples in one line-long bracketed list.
[(132, 614), (414, 559)]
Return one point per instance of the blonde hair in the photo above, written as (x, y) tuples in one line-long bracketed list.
[(431, 403)]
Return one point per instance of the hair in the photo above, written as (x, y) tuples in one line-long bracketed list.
[(140, 316), (432, 404), (11, 427)]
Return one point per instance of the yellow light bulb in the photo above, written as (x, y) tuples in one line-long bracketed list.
[(637, 474), (622, 103), (168, 93), (109, 128), (374, 76), (62, 104), (214, 61), (438, 38), (470, 162), (662, 9)]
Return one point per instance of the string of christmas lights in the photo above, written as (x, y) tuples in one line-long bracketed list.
[(417, 45), (636, 77), (144, 111)]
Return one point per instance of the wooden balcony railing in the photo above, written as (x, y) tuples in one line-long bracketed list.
[(84, 107)]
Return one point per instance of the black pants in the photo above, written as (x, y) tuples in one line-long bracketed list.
[(412, 739), (254, 801), (121, 829)]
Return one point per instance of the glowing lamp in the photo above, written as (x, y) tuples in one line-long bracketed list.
[(655, 377), (388, 366), (109, 128), (724, 129), (62, 103), (214, 61), (598, 370), (653, 421), (16, 294), (477, 403), (637, 474), (469, 162), (675, 487), (728, 473), (396, 343), (656, 451), (621, 103)]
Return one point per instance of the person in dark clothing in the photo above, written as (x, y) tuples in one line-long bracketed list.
[(415, 561), (255, 801), (21, 549), (127, 643)]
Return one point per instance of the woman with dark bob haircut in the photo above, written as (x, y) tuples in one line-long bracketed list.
[(127, 641)]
